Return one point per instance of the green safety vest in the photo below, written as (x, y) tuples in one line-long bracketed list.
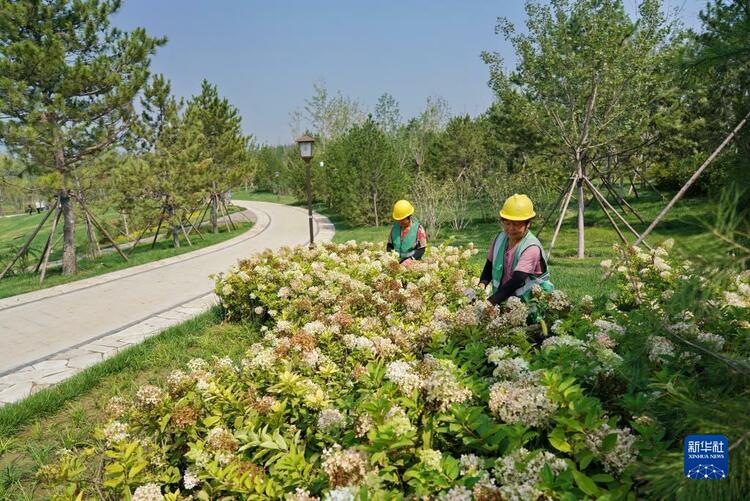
[(498, 262), (405, 247)]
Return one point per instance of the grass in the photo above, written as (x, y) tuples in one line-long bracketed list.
[(687, 223), (111, 261), (65, 415)]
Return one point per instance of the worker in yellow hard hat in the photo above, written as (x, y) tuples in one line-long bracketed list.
[(407, 236), (515, 259)]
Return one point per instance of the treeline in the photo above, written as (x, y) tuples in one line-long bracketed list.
[(637, 100), (90, 130)]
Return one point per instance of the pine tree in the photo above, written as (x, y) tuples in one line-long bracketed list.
[(67, 84), (226, 145)]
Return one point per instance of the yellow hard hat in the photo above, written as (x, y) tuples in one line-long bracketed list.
[(517, 208), (402, 209)]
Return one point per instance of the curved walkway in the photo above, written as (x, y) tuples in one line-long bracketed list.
[(47, 336)]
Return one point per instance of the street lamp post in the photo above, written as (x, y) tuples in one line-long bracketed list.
[(306, 152)]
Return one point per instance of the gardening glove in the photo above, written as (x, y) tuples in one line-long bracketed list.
[(470, 294)]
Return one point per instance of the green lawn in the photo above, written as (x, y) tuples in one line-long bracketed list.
[(65, 415), (111, 261), (686, 223)]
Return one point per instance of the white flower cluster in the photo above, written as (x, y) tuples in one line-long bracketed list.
[(197, 365), (149, 396), (512, 369), (400, 422), (608, 327), (523, 402), (513, 313), (509, 365), (116, 407), (458, 493), (658, 347), (148, 492), (714, 341), (470, 464), (344, 467), (564, 340), (115, 432), (300, 494), (621, 455), (519, 484), (177, 381), (259, 357), (431, 458), (342, 494), (442, 386), (330, 420), (403, 374), (557, 301), (190, 480)]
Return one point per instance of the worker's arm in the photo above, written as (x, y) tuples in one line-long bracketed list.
[(509, 288), (486, 276)]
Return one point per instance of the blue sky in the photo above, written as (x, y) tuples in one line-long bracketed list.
[(265, 55)]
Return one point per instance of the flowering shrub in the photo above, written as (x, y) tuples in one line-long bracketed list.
[(368, 379)]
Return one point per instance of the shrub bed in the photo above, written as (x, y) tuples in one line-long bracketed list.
[(369, 380)]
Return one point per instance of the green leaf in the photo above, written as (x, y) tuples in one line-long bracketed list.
[(209, 421), (602, 477), (585, 459), (114, 482), (560, 444), (558, 440), (164, 421), (137, 469), (114, 468), (609, 442), (585, 483)]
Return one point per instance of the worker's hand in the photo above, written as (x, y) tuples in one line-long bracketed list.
[(470, 294), (407, 262)]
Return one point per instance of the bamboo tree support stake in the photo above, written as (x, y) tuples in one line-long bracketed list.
[(205, 211), (143, 232), (49, 242), (619, 216), (48, 248), (192, 227), (103, 230), (562, 216), (693, 178), (226, 211), (186, 235), (94, 248), (158, 227), (648, 183), (30, 239), (606, 212), (224, 217), (618, 198), (553, 209)]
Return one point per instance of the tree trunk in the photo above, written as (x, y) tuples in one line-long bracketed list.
[(69, 234), (581, 201), (175, 228), (214, 212), (375, 207), (69, 264)]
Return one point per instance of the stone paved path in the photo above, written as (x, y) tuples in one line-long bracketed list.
[(47, 336)]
